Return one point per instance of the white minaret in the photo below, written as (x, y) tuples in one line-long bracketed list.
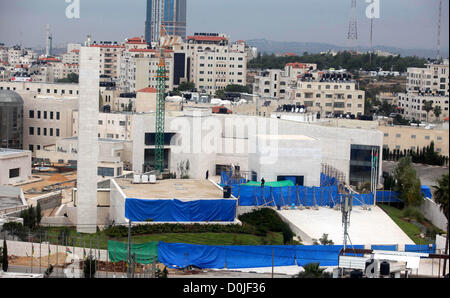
[(88, 140), (48, 44)]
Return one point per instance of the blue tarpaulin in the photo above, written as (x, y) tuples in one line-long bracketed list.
[(384, 247), (178, 211), (177, 255), (387, 196), (426, 191), (424, 248)]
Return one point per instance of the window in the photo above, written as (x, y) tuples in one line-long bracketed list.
[(57, 115), (31, 131), (45, 131), (413, 136), (427, 137), (386, 134), (45, 114), (31, 148), (39, 114), (51, 132), (398, 135), (100, 122), (57, 132), (108, 172), (31, 114), (38, 131), (13, 173), (51, 115)]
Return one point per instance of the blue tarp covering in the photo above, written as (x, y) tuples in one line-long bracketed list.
[(326, 180), (387, 196), (285, 196), (384, 247), (425, 248), (426, 191), (177, 211), (177, 255)]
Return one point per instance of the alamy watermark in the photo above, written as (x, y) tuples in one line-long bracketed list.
[(373, 9), (73, 9)]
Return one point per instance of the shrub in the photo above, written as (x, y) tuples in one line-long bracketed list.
[(414, 213)]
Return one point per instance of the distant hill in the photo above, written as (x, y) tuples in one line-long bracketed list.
[(281, 47)]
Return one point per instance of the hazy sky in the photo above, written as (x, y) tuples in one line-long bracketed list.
[(402, 23)]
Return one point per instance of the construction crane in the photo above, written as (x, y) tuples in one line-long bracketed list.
[(165, 42)]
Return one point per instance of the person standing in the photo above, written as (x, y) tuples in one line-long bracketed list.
[(262, 182)]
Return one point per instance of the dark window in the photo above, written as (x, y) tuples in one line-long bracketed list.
[(51, 115), (360, 163), (45, 131), (13, 173), (31, 148), (31, 131), (57, 115), (38, 131), (45, 114), (39, 114), (57, 132), (51, 132), (31, 114), (108, 172), (150, 138)]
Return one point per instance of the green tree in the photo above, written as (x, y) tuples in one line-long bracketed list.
[(428, 106), (38, 214), (71, 78), (408, 184), (312, 270), (441, 197), (437, 110), (220, 94), (325, 241), (186, 86), (90, 266), (4, 256)]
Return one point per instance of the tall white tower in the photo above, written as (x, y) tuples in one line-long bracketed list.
[(88, 139), (48, 44)]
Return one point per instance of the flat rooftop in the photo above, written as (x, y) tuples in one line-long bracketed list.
[(170, 189), (6, 151), (366, 226)]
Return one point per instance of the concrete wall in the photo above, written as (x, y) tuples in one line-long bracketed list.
[(433, 213), (88, 139), (21, 160), (117, 204)]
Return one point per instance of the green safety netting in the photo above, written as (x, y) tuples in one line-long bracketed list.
[(271, 184), (144, 253)]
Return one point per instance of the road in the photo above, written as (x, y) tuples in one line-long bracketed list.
[(428, 175)]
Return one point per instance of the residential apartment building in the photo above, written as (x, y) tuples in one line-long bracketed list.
[(110, 58), (329, 96), (412, 106), (212, 63), (432, 79), (278, 84), (72, 57)]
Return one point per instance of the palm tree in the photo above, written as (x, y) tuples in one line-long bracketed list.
[(437, 112), (441, 197), (312, 270), (428, 106)]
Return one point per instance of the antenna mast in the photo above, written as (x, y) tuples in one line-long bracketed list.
[(352, 35)]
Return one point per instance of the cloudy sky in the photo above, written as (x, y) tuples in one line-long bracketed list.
[(402, 23)]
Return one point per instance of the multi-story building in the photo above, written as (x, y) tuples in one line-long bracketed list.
[(432, 79), (117, 126), (47, 111), (277, 83), (425, 85), (110, 58), (212, 63), (412, 106), (72, 57), (412, 138), (138, 68), (170, 13)]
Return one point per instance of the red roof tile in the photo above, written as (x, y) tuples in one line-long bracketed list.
[(75, 51), (206, 38), (297, 65), (148, 90), (106, 46)]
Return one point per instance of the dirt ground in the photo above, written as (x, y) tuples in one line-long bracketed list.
[(26, 261)]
